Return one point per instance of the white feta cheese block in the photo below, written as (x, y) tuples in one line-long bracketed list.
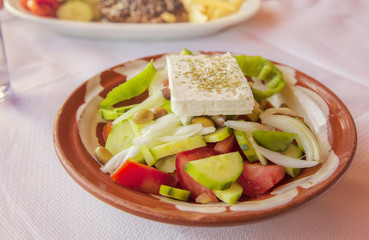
[(208, 85)]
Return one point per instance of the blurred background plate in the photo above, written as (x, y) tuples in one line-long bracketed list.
[(107, 30)]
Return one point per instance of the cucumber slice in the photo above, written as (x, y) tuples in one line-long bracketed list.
[(174, 147), (293, 151), (145, 151), (148, 156), (230, 195), (274, 140), (120, 137), (245, 145), (167, 164), (139, 158), (108, 114), (75, 11), (124, 108), (175, 193), (218, 135), (217, 172)]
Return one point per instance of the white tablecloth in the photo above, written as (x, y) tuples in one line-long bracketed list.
[(38, 200)]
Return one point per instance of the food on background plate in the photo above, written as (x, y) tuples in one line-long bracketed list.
[(43, 8), (225, 138), (133, 11), (78, 11), (200, 11), (143, 11), (75, 10)]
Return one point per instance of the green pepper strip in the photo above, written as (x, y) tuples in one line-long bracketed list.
[(131, 88), (113, 113), (185, 51), (259, 67)]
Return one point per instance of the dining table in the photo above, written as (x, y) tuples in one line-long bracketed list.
[(327, 40)]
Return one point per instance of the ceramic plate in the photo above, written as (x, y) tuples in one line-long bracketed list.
[(107, 30), (77, 132)]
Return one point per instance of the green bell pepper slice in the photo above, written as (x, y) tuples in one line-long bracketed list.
[(131, 88), (259, 67), (274, 140), (185, 51), (113, 113)]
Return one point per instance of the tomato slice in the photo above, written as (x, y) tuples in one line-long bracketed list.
[(106, 130), (165, 82), (186, 181), (226, 145), (43, 8), (23, 3), (142, 177), (257, 179)]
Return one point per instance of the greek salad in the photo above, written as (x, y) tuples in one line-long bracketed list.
[(207, 131)]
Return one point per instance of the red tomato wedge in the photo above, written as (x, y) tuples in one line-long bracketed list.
[(23, 3), (43, 8), (106, 130), (186, 181), (142, 177), (257, 179), (226, 145)]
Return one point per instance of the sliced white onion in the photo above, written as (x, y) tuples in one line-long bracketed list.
[(316, 113), (164, 126), (282, 110), (289, 74), (185, 120), (157, 81), (322, 105), (309, 105), (207, 130), (187, 131), (292, 125), (258, 84), (284, 160), (182, 132), (160, 123), (247, 126), (276, 100), (118, 159), (260, 156)]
